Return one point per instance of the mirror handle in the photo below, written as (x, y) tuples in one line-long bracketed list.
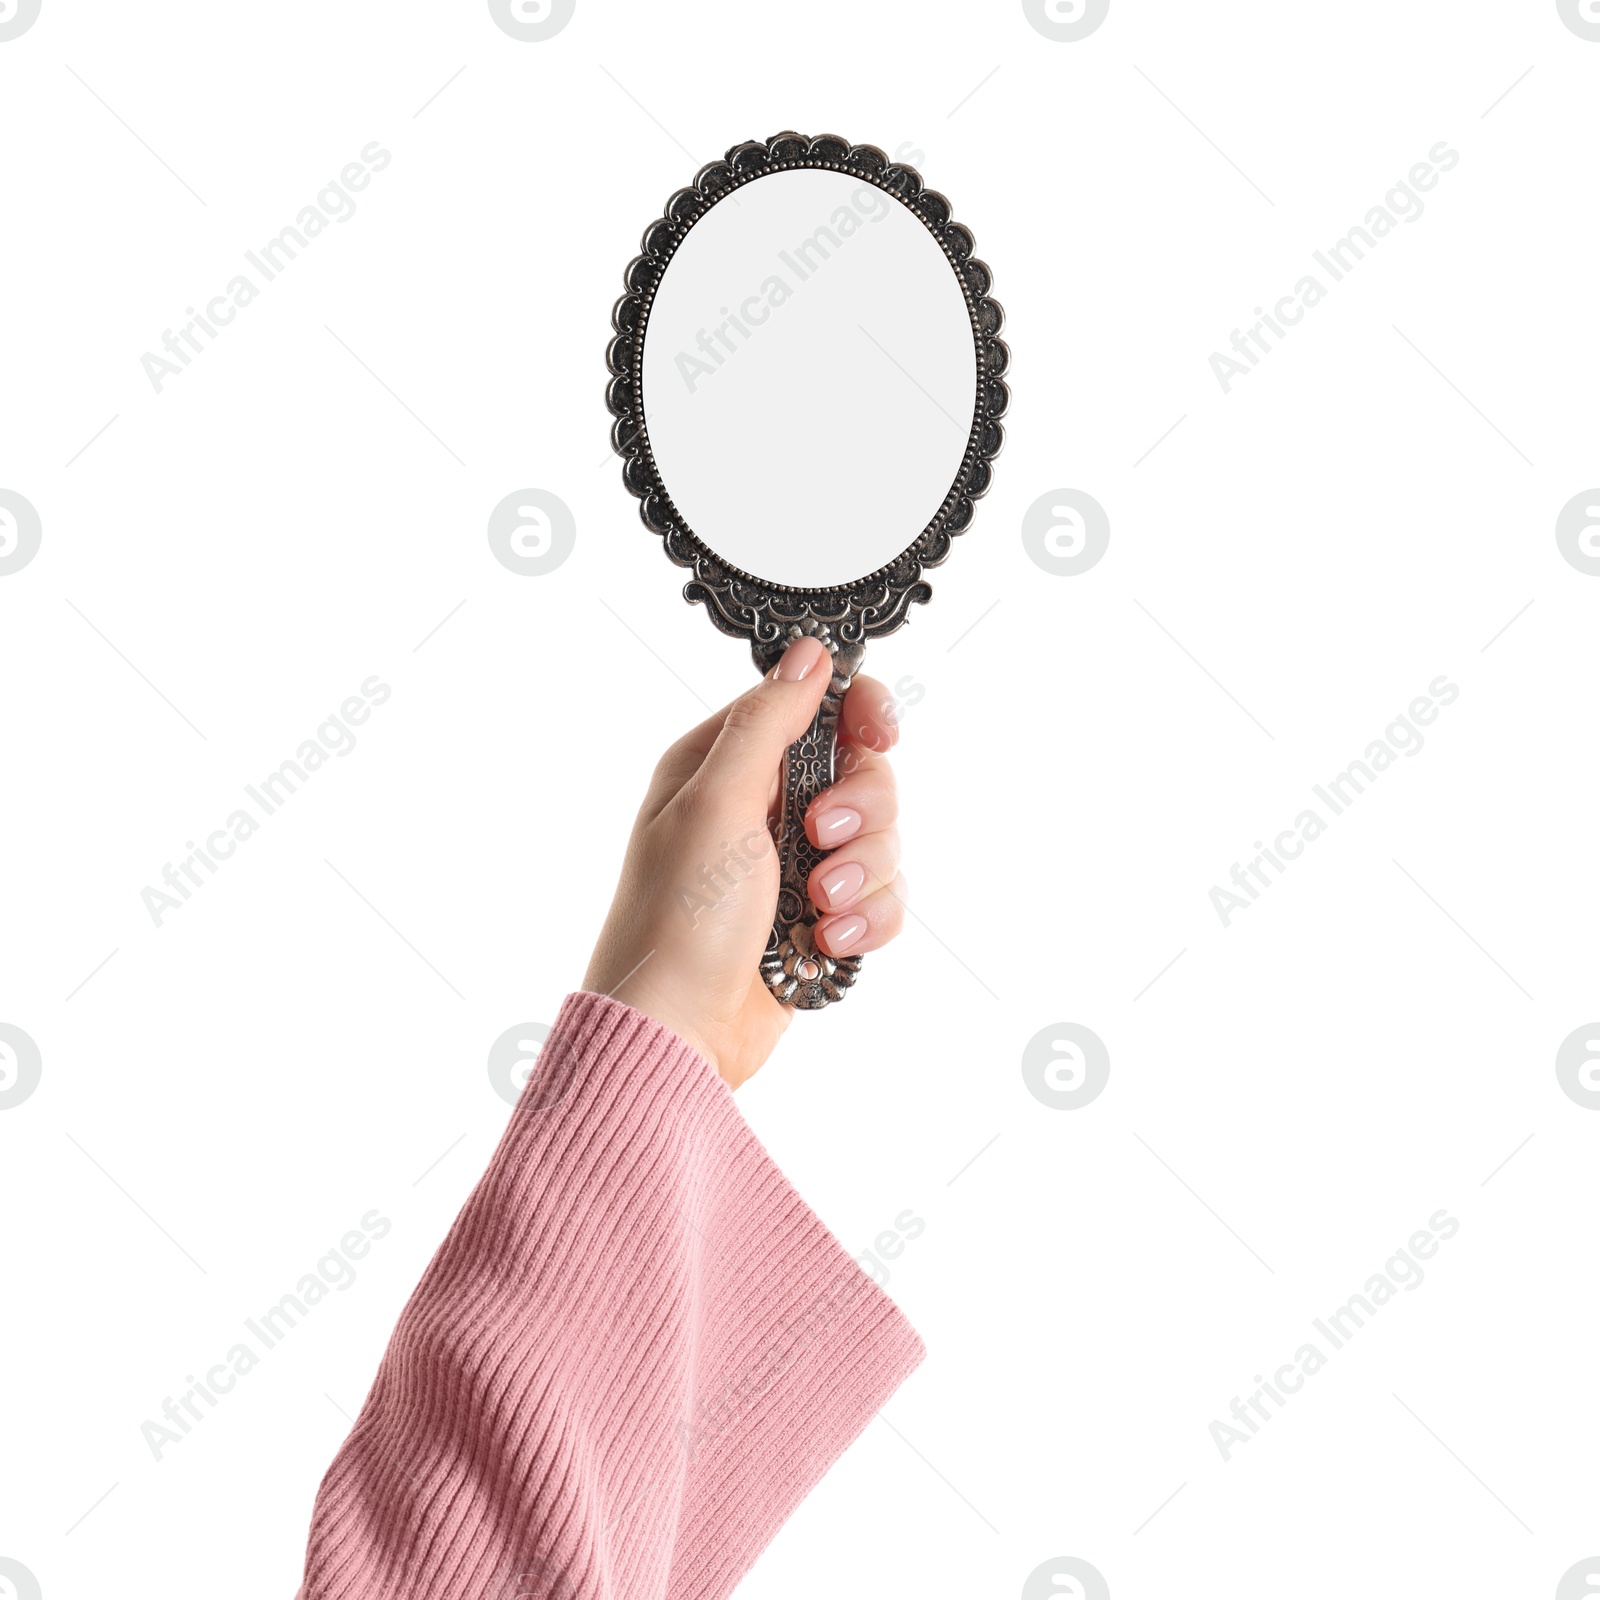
[(797, 973)]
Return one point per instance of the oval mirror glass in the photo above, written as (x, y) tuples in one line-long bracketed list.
[(809, 378)]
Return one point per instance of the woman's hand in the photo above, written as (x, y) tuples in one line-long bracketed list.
[(694, 905)]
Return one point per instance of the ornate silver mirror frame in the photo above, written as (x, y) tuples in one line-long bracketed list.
[(772, 615)]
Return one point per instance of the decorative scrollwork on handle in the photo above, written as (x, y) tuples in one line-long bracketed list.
[(797, 972)]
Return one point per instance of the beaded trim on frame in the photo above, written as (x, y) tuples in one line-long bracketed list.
[(741, 603)]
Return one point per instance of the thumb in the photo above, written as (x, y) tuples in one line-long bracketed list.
[(763, 723)]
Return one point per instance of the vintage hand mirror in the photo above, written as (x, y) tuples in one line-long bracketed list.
[(807, 385)]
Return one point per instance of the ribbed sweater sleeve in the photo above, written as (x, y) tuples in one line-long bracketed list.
[(632, 1357)]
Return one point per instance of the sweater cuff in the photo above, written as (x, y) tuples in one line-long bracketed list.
[(794, 1347), (634, 1355)]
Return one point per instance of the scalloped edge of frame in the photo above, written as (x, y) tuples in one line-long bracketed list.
[(738, 602)]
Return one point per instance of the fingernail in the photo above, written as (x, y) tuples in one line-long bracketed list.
[(842, 932), (840, 885), (799, 659), (835, 826)]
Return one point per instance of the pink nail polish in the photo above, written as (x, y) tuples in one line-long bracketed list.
[(799, 659), (842, 932), (841, 884), (836, 825)]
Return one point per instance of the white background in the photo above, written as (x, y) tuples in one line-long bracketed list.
[(1289, 1100)]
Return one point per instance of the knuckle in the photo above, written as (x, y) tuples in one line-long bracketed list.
[(889, 847), (751, 715), (666, 768), (884, 798)]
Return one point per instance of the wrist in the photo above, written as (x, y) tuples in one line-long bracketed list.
[(675, 1019)]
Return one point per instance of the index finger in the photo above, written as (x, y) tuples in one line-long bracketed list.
[(871, 716)]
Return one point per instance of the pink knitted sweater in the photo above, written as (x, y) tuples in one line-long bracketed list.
[(632, 1357)]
